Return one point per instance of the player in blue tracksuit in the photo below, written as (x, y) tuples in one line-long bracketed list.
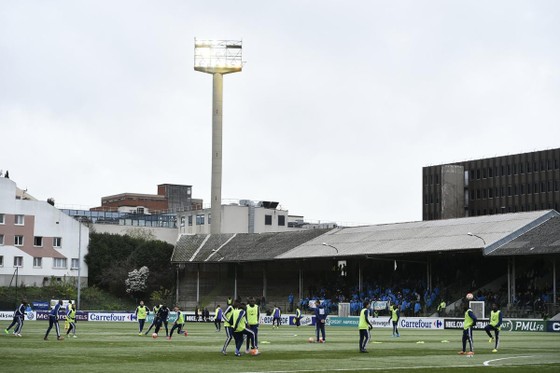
[(320, 320), (276, 320), (53, 321), (218, 318), (162, 317), (19, 316)]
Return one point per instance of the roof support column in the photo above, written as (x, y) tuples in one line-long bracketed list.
[(264, 281), (360, 277), (300, 282), (554, 281), (235, 283), (178, 283), (513, 278), (198, 284), (429, 274), (509, 281)]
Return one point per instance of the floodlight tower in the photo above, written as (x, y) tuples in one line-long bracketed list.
[(217, 57)]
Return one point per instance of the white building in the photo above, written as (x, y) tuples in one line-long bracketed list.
[(243, 217), (38, 241)]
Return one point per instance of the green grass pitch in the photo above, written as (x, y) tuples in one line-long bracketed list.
[(116, 347)]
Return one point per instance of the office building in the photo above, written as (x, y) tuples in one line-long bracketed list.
[(511, 183)]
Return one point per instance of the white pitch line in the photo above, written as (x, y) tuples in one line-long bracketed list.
[(362, 369), (487, 363)]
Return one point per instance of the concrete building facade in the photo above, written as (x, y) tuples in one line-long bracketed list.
[(38, 242), (512, 183), (169, 198), (243, 217)]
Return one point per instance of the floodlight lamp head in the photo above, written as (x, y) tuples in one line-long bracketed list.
[(218, 56)]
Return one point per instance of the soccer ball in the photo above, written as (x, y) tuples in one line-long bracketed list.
[(320, 340), (310, 340), (154, 336), (254, 352), (470, 296)]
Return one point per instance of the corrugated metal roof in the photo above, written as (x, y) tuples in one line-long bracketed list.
[(543, 239), (417, 237), (239, 247), (497, 231)]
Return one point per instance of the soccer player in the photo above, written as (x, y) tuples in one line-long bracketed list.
[(253, 320), (218, 318), (276, 313), (468, 324), (178, 324), (395, 316), (155, 320), (141, 314), (53, 321), (320, 320), (227, 316), (240, 327), (71, 319), (297, 319), (441, 308), (162, 317), (365, 327), (495, 324), (19, 316)]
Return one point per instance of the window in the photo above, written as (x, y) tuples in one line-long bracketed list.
[(59, 263), (18, 240), (57, 241), (182, 221), (75, 263), (281, 220), (140, 211), (37, 262), (189, 220), (19, 220), (38, 241), (1, 261), (18, 261), (268, 220), (200, 219), (1, 239), (1, 218)]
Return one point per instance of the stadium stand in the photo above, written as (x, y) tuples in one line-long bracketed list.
[(416, 265)]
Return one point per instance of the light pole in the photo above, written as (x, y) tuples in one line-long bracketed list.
[(79, 262), (329, 245), (217, 57), (477, 236)]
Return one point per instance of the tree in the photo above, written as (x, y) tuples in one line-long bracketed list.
[(136, 283), (111, 256)]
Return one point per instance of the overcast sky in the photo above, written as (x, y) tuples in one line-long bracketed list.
[(339, 106)]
